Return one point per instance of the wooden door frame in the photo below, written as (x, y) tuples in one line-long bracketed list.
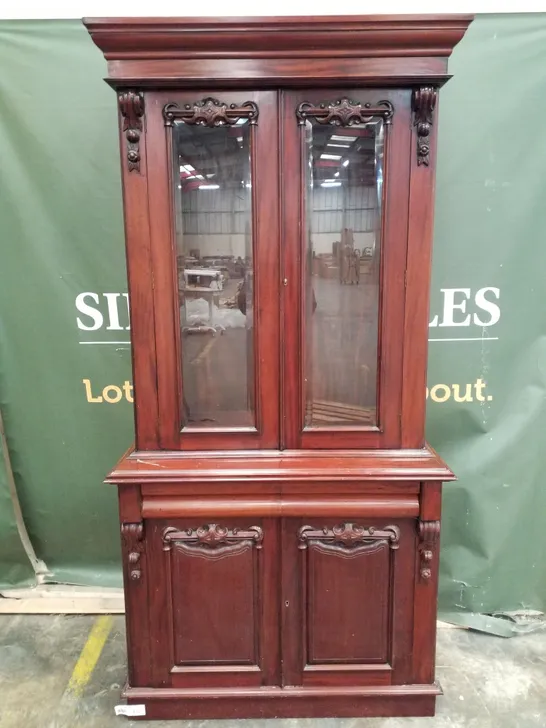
[(402, 558), (265, 224), (164, 672), (391, 284)]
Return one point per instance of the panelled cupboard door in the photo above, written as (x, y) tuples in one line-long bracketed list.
[(346, 172), (213, 595), (347, 601), (212, 174)]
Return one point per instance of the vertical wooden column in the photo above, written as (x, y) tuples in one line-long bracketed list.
[(420, 230), (139, 266), (426, 583), (135, 580)]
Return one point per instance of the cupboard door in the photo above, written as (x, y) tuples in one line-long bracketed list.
[(214, 602), (346, 167), (347, 596), (213, 190)]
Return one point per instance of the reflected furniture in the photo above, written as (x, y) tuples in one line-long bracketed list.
[(280, 508)]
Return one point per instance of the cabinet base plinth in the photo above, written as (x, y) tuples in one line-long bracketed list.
[(291, 702)]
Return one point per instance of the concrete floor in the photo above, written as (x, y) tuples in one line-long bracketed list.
[(489, 682)]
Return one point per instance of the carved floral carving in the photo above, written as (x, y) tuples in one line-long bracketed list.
[(344, 112), (212, 540), (424, 102), (349, 538), (131, 106), (133, 535), (211, 112), (429, 535)]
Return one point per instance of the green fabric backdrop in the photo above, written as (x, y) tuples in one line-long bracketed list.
[(62, 237)]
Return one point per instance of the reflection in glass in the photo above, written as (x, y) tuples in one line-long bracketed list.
[(343, 211), (212, 187)]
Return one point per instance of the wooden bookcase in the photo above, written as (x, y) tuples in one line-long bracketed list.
[(280, 510)]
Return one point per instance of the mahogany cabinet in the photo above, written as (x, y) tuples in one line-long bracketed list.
[(280, 509)]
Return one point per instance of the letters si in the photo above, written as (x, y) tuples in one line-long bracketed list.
[(98, 309)]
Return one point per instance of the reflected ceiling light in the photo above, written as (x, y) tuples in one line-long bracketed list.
[(346, 162), (345, 146), (330, 156), (208, 176), (240, 139), (187, 168), (209, 187), (330, 183), (345, 138), (336, 174)]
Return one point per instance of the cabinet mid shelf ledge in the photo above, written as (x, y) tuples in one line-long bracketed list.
[(278, 189)]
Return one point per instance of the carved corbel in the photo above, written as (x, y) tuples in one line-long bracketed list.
[(424, 102), (131, 106), (133, 542), (429, 537)]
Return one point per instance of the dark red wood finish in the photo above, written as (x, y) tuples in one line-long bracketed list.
[(282, 52), (279, 571), (347, 619), (139, 273), (191, 650), (170, 385), (418, 270), (393, 264)]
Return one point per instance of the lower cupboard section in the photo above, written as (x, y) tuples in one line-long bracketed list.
[(347, 601), (246, 603)]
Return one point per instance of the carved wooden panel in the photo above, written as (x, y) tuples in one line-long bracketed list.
[(212, 583), (211, 112), (346, 586), (344, 112), (214, 574), (348, 577)]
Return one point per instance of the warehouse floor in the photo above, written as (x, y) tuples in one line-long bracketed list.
[(66, 672)]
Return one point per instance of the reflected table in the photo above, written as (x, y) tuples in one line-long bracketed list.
[(211, 296)]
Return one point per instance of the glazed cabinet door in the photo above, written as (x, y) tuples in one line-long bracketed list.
[(214, 210), (213, 604), (347, 600), (346, 171)]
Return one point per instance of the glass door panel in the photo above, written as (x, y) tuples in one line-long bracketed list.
[(346, 175), (344, 170), (215, 263), (216, 275)]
